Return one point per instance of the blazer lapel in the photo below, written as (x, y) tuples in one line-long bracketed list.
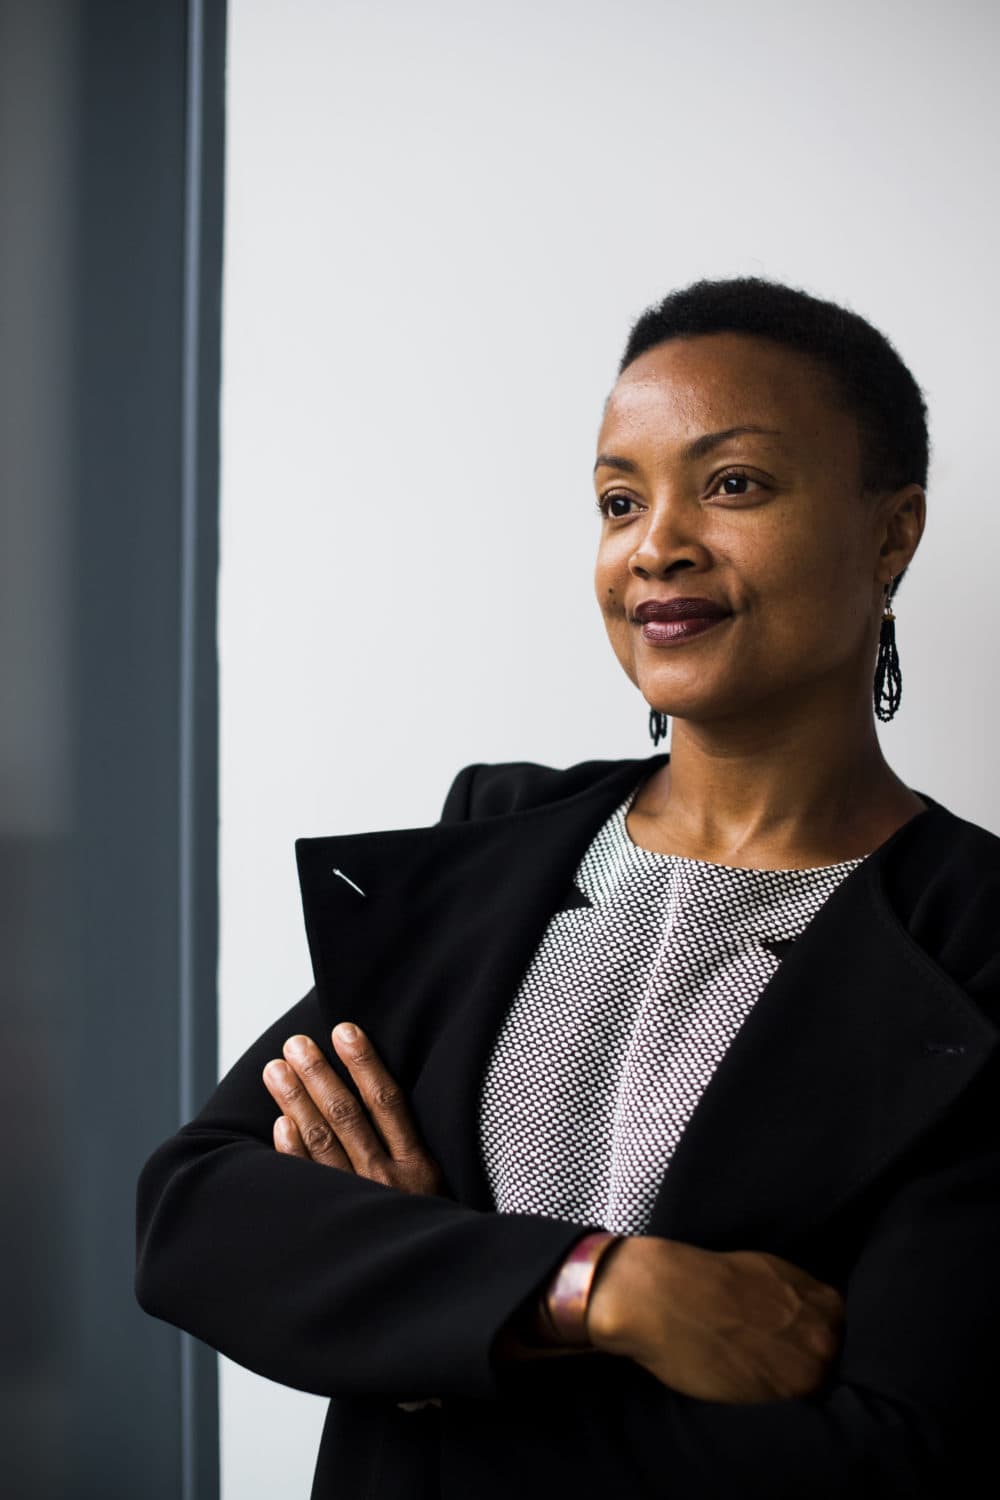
[(430, 957), (857, 1044)]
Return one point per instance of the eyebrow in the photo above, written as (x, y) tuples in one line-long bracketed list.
[(695, 449)]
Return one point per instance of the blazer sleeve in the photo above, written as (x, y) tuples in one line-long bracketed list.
[(907, 1412), (316, 1277)]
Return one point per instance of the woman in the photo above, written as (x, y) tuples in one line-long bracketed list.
[(664, 1158)]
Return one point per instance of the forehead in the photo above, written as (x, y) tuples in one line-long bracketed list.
[(687, 386)]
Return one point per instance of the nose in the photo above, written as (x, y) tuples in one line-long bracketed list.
[(667, 541)]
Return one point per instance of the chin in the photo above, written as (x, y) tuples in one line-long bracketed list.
[(678, 704)]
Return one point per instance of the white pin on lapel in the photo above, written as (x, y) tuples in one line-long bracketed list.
[(348, 879)]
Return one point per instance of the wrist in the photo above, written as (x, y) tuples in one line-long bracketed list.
[(530, 1335), (565, 1299), (618, 1291)]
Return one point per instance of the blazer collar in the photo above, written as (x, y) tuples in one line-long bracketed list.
[(859, 1042)]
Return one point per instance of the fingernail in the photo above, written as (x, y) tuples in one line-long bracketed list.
[(296, 1046), (275, 1071), (346, 1032)]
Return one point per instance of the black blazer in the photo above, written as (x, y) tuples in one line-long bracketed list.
[(853, 1127)]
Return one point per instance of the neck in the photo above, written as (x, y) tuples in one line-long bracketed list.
[(817, 786)]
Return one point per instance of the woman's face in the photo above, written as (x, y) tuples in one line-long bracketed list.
[(770, 525)]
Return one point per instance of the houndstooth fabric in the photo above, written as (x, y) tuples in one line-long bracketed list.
[(641, 981)]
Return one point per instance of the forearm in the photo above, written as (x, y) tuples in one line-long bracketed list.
[(619, 1430), (325, 1281), (904, 1412), (616, 1429)]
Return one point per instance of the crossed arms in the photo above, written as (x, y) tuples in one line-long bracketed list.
[(341, 1284)]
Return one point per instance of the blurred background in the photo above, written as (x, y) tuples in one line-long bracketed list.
[(308, 309)]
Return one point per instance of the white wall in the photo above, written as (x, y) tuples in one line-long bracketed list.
[(441, 220)]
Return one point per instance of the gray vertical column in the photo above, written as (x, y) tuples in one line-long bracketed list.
[(111, 178), (197, 706)]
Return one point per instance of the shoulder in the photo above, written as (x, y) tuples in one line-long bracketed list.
[(491, 789), (941, 876)]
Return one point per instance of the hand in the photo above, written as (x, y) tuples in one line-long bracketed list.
[(736, 1326), (322, 1121)]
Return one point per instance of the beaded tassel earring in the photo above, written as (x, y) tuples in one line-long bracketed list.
[(887, 665), (657, 725)]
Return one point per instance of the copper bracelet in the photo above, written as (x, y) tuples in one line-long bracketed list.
[(565, 1299)]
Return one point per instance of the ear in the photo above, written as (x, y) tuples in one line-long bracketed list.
[(903, 518)]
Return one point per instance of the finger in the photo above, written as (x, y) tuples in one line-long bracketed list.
[(292, 1098), (287, 1139), (826, 1299), (383, 1096), (339, 1109)]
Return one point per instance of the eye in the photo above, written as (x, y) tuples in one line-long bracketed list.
[(613, 497), (736, 474)]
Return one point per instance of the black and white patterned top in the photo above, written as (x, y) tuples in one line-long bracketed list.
[(639, 985)]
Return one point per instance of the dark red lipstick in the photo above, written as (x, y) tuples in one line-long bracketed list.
[(666, 621)]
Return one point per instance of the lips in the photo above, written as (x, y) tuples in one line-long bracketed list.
[(678, 609)]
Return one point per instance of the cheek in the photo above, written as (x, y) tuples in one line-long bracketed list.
[(611, 594), (789, 556), (800, 594), (605, 584), (611, 570)]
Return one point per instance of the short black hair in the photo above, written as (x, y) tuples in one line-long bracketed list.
[(866, 374)]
